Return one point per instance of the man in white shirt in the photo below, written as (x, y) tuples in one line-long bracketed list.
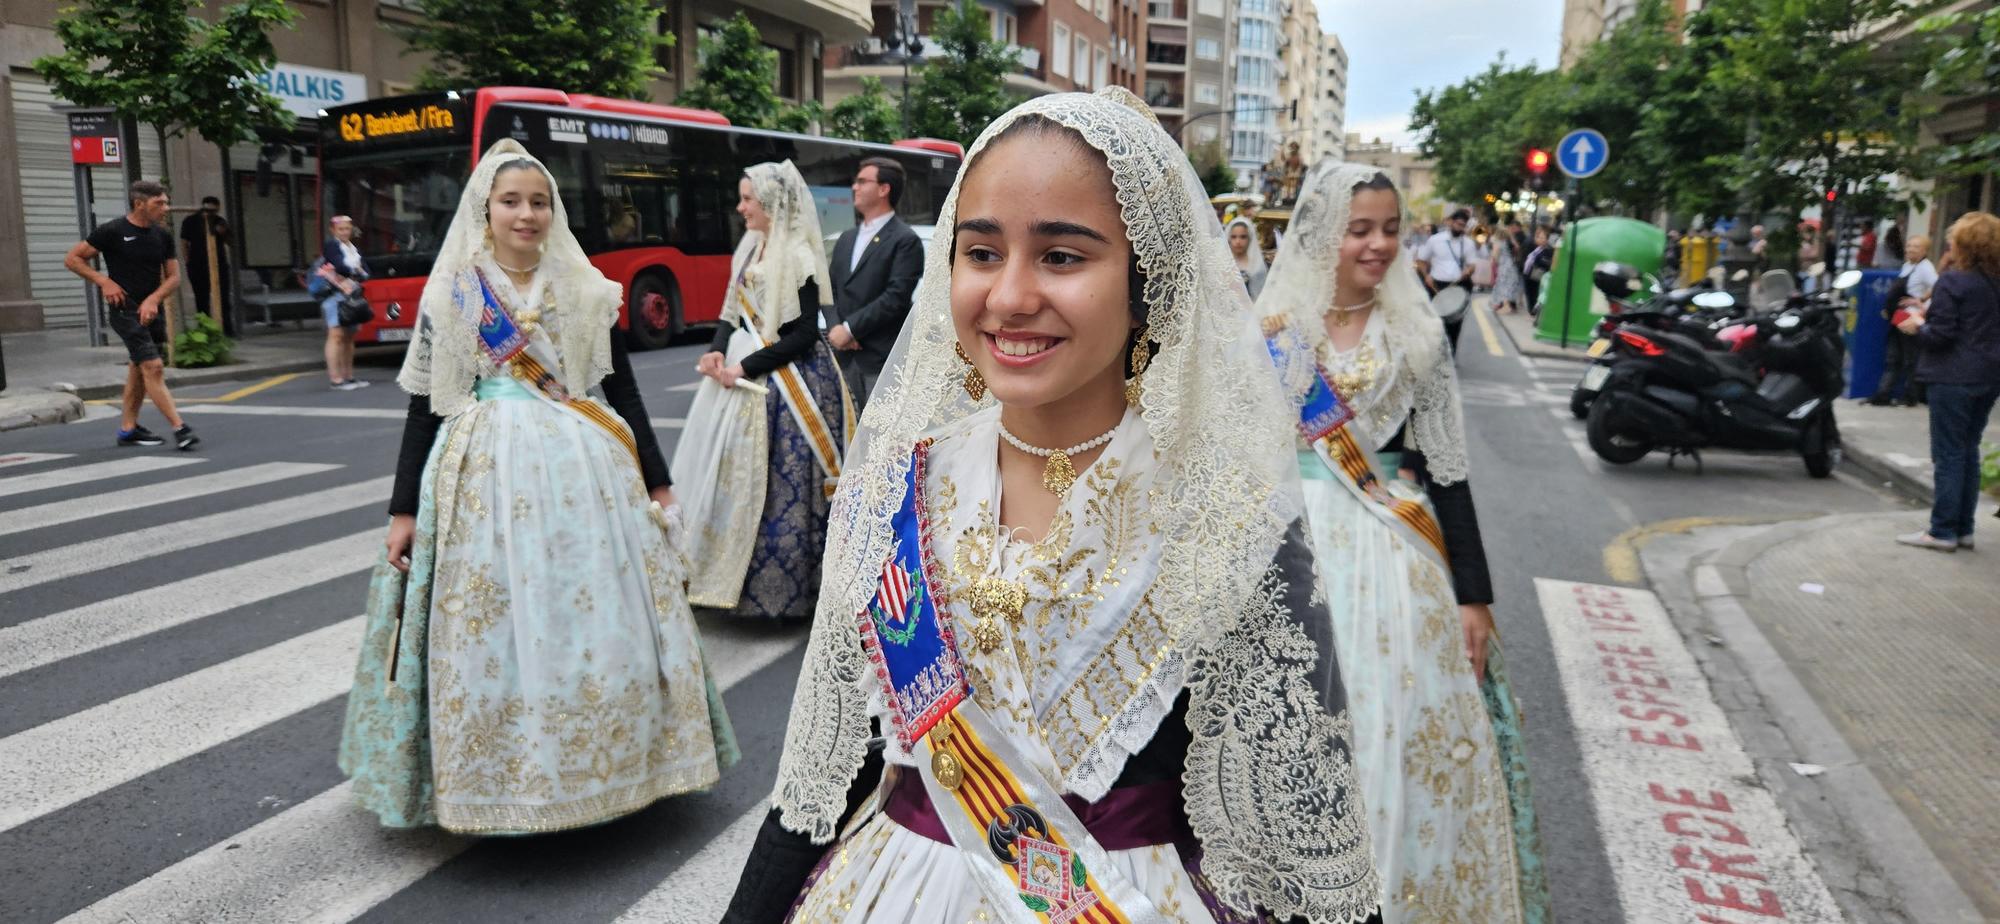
[(875, 269), (1445, 260), (1899, 358)]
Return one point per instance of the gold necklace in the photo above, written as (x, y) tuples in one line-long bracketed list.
[(1058, 473), (1354, 376), (1343, 315)]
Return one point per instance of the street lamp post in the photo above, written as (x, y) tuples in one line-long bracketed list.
[(1740, 263), (904, 42)]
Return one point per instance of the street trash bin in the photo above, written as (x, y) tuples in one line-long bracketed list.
[(1595, 240), (1868, 331)]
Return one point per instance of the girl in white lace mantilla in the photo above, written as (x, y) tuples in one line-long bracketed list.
[(1150, 676), (1438, 738), (762, 448), (531, 663)]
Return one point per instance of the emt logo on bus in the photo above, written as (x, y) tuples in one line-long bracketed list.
[(356, 126)]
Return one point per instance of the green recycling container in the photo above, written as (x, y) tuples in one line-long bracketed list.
[(1571, 304)]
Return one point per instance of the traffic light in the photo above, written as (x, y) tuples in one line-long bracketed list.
[(1538, 161), (1831, 195)]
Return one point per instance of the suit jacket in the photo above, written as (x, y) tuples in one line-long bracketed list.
[(875, 297)]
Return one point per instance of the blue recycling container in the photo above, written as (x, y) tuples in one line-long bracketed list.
[(1868, 331)]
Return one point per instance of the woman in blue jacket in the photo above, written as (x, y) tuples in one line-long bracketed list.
[(1959, 334)]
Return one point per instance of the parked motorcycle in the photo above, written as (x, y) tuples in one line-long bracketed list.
[(1668, 390), (1700, 311)]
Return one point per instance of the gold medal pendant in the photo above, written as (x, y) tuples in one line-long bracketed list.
[(1058, 474), (944, 764)]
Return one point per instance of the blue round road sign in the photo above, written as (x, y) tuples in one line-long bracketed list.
[(1582, 153)]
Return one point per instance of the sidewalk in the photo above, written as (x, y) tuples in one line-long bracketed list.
[(1890, 444), (50, 373), (1870, 666)]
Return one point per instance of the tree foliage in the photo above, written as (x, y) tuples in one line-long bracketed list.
[(963, 86), (155, 62), (1211, 164), (869, 115), (739, 78), (1967, 63), (1768, 103), (603, 47)]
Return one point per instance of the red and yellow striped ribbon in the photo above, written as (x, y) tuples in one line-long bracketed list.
[(1347, 454), (534, 373), (989, 788)]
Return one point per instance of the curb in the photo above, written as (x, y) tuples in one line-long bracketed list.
[(1536, 348), (38, 408), (233, 373), (1898, 478), (1855, 801)]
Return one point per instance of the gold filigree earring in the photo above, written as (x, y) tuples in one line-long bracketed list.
[(974, 383), (1141, 357)]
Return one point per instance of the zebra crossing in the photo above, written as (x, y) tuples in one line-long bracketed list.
[(177, 636)]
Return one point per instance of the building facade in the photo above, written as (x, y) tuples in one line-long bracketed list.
[(340, 51), (1582, 27), (1255, 131), (1299, 77), (1060, 45), (1415, 177), (1188, 74), (1330, 135)]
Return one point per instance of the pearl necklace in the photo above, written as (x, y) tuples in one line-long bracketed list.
[(524, 272), (1058, 474), (1342, 314)]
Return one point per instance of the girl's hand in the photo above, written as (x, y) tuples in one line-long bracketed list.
[(727, 377), (402, 530), (1477, 620), (664, 496), (709, 364)]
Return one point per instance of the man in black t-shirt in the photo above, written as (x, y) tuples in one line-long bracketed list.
[(139, 272), (194, 253)]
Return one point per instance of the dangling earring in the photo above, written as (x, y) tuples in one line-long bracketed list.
[(974, 383), (487, 232), (1134, 388)]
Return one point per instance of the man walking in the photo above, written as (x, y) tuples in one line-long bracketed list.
[(875, 271), (197, 231), (1443, 261), (139, 272)]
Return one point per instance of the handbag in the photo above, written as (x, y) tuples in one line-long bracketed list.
[(354, 310)]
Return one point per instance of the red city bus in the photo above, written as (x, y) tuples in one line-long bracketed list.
[(650, 190)]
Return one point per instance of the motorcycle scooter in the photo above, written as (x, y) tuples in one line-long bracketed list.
[(1667, 390), (1700, 311)]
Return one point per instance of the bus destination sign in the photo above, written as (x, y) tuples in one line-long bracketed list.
[(366, 126)]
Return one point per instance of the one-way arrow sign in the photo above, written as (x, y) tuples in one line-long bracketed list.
[(1583, 153)]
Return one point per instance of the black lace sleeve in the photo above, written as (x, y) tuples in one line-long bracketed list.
[(420, 430), (780, 860), (621, 391), (1459, 520)]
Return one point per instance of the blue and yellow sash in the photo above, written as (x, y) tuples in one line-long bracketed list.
[(511, 348)]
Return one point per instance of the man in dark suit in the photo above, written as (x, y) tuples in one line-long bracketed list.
[(875, 271)]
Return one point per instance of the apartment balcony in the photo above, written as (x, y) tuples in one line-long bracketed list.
[(1167, 11), (872, 57), (837, 21), (1166, 57), (1167, 92)]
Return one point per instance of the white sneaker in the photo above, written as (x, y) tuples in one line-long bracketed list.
[(348, 385), (1924, 540), (358, 383), (1965, 542)]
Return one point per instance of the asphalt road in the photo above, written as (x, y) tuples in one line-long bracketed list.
[(173, 671)]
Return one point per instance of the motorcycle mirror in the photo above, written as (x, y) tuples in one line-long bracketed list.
[(1787, 322), (1847, 280)]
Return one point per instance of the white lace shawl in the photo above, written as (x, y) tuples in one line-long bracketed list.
[(447, 358), (1269, 784), (1420, 383), (792, 253)]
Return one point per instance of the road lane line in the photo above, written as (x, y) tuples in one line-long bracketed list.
[(272, 410), (122, 549), (57, 636), (29, 458), (82, 474), (60, 763), (249, 390), (700, 888), (327, 859), (151, 495), (1486, 331), (1689, 832)]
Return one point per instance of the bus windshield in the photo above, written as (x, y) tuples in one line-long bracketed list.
[(402, 204)]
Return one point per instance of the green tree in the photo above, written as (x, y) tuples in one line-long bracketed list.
[(870, 115), (1831, 110), (1611, 88), (1967, 63), (739, 78), (603, 47), (1211, 163), (1474, 133), (154, 62), (963, 87)]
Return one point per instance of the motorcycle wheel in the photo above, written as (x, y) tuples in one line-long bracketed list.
[(1820, 445), (1609, 445), (1579, 406)]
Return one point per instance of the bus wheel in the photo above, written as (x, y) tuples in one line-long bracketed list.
[(655, 311)]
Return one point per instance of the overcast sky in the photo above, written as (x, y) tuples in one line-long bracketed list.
[(1397, 47)]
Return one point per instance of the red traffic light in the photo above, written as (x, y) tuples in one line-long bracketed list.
[(1538, 161), (1831, 195)]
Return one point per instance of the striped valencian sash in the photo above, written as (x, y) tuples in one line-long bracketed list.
[(514, 349), (799, 400), (1327, 422)]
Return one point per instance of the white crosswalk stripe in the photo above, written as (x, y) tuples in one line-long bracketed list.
[(364, 413), (150, 495), (700, 889), (86, 628), (97, 471), (119, 550), (85, 753)]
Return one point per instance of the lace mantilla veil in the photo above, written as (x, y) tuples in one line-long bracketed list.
[(794, 251), (1423, 383), (448, 358), (1269, 782)]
